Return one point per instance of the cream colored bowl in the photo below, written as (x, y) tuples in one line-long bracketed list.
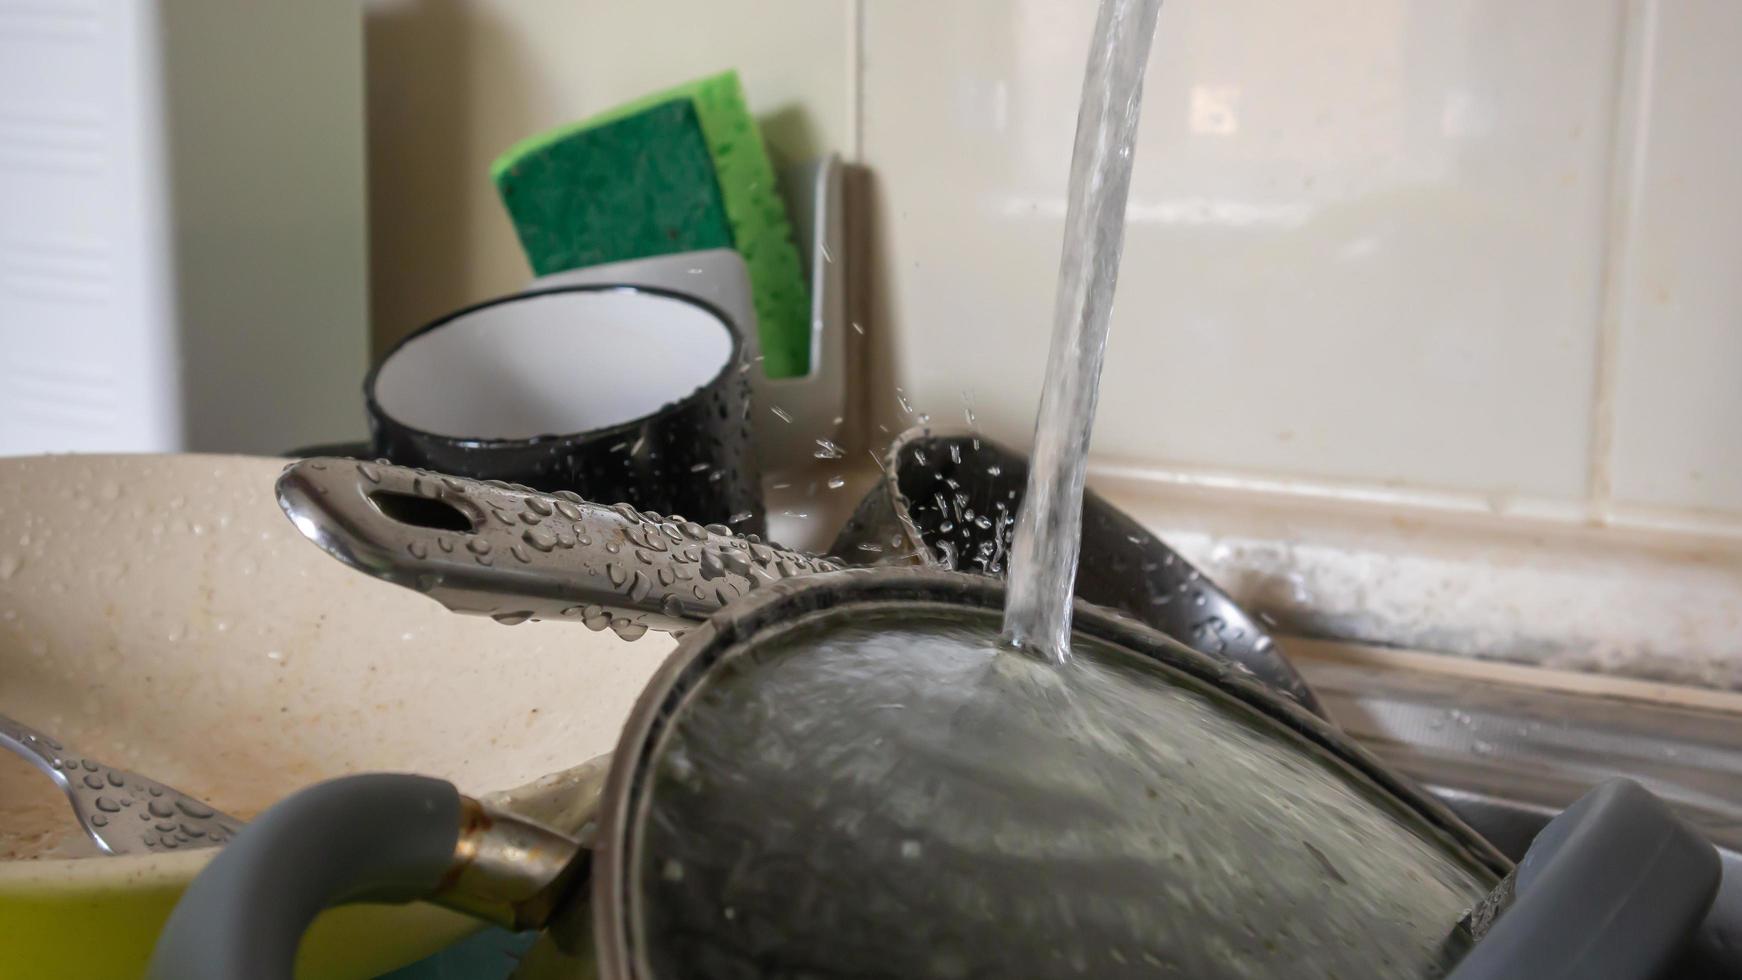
[(160, 614)]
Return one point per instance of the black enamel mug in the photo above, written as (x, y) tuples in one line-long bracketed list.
[(616, 393)]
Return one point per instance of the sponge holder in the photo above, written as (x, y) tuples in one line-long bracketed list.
[(816, 401)]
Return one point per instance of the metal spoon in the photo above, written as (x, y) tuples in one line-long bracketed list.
[(124, 812)]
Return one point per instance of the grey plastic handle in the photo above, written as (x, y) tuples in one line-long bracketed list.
[(380, 837), (1611, 889)]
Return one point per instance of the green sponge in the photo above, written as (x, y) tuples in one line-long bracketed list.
[(628, 183), (641, 185)]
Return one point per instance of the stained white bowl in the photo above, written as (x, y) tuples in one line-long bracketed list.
[(160, 614)]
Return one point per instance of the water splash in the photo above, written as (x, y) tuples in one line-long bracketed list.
[(1043, 560)]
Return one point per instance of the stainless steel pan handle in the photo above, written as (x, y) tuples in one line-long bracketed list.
[(514, 553)]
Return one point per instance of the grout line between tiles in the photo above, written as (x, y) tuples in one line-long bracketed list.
[(1142, 479), (1635, 51), (1137, 473)]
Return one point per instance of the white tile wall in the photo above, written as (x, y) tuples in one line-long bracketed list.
[(1469, 251), (1363, 244), (1678, 366)]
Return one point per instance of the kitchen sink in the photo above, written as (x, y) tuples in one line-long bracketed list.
[(1508, 747)]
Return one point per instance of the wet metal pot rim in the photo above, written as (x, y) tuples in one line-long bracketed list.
[(739, 626)]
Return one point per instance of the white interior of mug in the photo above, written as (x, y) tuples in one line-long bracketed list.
[(562, 362)]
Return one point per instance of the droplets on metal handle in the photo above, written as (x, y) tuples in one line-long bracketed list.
[(516, 554)]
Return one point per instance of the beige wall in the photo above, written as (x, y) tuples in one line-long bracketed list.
[(451, 83)]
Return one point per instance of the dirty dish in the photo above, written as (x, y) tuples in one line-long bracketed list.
[(759, 820), (161, 614)]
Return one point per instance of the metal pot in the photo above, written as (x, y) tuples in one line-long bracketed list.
[(948, 499), (1610, 889)]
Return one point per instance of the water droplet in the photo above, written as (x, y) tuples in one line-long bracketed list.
[(418, 549), (98, 820), (478, 546), (735, 562), (513, 618), (828, 450), (107, 805), (518, 552), (617, 574), (627, 629), (780, 413), (539, 506), (369, 472), (195, 809), (568, 509), (672, 606), (640, 586), (160, 809), (837, 482), (540, 538)]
